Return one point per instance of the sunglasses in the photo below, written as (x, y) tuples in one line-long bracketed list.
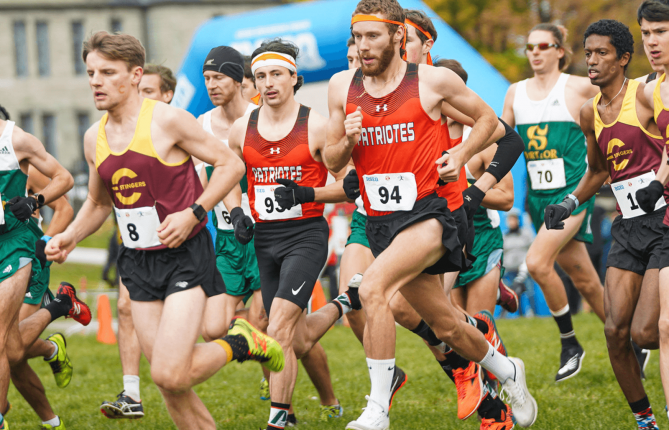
[(541, 46)]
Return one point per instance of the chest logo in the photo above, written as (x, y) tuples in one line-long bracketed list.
[(384, 107), (537, 138), (116, 178), (275, 150), (610, 156)]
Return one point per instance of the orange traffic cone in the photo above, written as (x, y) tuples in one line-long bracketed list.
[(105, 329), (317, 297)]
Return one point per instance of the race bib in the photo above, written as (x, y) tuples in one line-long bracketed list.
[(138, 227), (547, 174), (223, 215), (268, 209), (625, 192), (390, 192)]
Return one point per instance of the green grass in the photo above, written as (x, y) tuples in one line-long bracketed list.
[(592, 400)]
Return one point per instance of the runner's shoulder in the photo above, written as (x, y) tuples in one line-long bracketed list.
[(342, 79), (166, 115), (582, 86), (587, 114)]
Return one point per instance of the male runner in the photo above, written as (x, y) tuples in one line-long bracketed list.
[(375, 124), (546, 110), (158, 83), (623, 143), (140, 166), (281, 143), (352, 54), (249, 90)]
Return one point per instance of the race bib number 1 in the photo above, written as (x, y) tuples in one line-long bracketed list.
[(547, 174), (391, 191), (625, 192), (268, 209), (139, 227)]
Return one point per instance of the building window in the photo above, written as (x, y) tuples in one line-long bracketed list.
[(43, 63), (77, 46), (49, 133), (83, 123), (116, 25), (20, 48), (26, 122)]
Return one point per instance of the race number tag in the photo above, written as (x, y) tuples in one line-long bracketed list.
[(547, 174), (223, 214), (391, 191), (268, 209), (138, 227), (625, 192)]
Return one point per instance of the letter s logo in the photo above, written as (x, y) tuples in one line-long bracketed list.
[(537, 137)]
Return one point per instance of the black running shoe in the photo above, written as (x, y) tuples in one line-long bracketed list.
[(291, 421), (571, 360), (642, 356), (399, 379), (124, 407)]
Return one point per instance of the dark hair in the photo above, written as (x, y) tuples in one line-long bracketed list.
[(559, 33), (455, 66), (283, 47), (350, 42), (248, 72), (123, 47), (419, 18), (167, 80), (619, 34), (390, 9), (4, 114), (653, 11)]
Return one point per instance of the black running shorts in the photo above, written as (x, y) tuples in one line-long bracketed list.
[(291, 255), (637, 242), (154, 275), (381, 230)]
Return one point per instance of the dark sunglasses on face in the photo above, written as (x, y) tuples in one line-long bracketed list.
[(541, 46)]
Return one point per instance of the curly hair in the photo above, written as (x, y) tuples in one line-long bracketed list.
[(619, 35), (283, 47)]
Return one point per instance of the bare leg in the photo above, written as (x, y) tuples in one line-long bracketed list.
[(282, 325), (664, 330), (315, 362), (481, 293), (128, 343), (218, 313), (355, 259), (575, 261), (645, 331), (40, 347)]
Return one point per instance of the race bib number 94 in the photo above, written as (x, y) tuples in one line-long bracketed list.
[(390, 192), (268, 209), (547, 174), (139, 227), (625, 192)]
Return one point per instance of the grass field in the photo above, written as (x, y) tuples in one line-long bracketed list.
[(592, 400)]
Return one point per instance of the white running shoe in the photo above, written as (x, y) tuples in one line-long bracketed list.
[(516, 394), (374, 417)]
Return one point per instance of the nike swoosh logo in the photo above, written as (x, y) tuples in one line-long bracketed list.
[(298, 290)]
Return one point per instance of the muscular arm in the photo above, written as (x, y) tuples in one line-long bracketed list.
[(341, 139), (235, 139), (507, 112), (334, 192), (597, 170), (500, 197), (62, 211)]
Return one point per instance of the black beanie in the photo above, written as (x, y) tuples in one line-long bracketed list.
[(226, 60)]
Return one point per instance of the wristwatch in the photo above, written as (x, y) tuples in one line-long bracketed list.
[(198, 211)]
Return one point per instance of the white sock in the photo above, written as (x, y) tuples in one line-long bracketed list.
[(55, 351), (381, 373), (561, 312), (53, 422), (498, 364), (131, 386)]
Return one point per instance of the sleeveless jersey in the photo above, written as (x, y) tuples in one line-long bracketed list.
[(395, 157), (140, 182), (555, 147), (12, 181), (631, 151), (452, 191), (288, 158), (661, 114), (486, 222)]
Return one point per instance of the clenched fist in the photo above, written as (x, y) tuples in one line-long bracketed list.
[(353, 125)]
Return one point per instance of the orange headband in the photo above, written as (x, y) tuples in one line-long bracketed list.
[(429, 37), (359, 18)]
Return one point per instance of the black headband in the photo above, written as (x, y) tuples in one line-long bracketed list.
[(226, 60)]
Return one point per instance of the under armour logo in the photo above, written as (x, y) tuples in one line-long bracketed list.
[(385, 108), (271, 150)]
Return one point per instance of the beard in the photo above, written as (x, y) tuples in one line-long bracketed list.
[(383, 62)]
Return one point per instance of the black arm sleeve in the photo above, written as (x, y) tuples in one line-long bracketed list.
[(509, 149)]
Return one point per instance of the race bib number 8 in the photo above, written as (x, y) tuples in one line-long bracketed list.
[(268, 209), (390, 192), (139, 227), (547, 174), (625, 192)]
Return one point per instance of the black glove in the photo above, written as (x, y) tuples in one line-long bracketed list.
[(556, 214), (39, 251), (648, 197), (472, 198), (243, 225), (292, 194), (352, 185), (22, 207)]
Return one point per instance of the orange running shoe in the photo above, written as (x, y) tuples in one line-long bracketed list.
[(469, 384), (504, 422), (80, 311), (493, 335)]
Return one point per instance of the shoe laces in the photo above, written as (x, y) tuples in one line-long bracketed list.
[(56, 366), (461, 377), (512, 392), (372, 411)]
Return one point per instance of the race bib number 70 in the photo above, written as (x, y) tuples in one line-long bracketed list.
[(139, 227), (547, 174), (390, 192)]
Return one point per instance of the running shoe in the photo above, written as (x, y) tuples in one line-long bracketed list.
[(60, 362), (642, 356), (508, 299), (469, 384), (264, 389), (373, 417), (4, 425), (80, 311), (123, 407), (399, 379), (334, 411), (503, 422), (492, 336), (259, 347), (515, 393), (571, 360), (291, 421), (60, 426)]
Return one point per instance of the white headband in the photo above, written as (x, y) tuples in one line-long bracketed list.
[(273, 59)]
